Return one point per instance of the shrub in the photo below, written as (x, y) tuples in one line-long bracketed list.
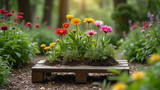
[(4, 72), (15, 42), (123, 13), (139, 45)]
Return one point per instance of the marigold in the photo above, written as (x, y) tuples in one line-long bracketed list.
[(61, 31), (119, 86), (66, 25), (89, 20), (76, 21), (69, 16), (74, 30), (47, 48), (43, 45), (137, 75), (155, 57)]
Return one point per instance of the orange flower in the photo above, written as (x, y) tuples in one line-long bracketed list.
[(74, 30), (89, 20), (43, 45), (47, 48), (69, 16), (76, 21), (66, 25), (52, 44)]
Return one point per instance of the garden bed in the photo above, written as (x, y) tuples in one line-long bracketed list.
[(40, 69)]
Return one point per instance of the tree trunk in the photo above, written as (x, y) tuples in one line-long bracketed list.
[(62, 12), (83, 7), (116, 2), (33, 13), (25, 7), (7, 5), (47, 12), (101, 3)]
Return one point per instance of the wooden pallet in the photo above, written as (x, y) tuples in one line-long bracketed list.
[(40, 69)]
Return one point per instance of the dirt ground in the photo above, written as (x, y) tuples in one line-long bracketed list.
[(20, 79)]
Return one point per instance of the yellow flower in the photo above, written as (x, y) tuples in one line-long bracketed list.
[(119, 86), (137, 75), (76, 21), (155, 57), (47, 48), (52, 44), (43, 45), (69, 16), (89, 20), (74, 30)]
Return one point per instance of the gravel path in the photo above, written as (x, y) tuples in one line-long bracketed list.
[(20, 79)]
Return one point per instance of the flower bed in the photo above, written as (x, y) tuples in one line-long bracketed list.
[(76, 48)]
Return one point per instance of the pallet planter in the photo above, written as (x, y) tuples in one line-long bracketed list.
[(40, 69)]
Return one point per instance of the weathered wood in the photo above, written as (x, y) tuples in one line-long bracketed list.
[(40, 70), (38, 76), (81, 77)]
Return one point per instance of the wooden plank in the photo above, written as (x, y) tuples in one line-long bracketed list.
[(81, 77), (37, 76)]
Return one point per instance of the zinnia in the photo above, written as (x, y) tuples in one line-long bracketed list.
[(61, 31), (98, 23), (91, 32), (3, 10), (106, 29), (66, 25), (43, 45), (29, 24), (52, 44), (74, 30), (76, 21), (89, 20), (142, 31), (47, 48), (21, 17), (13, 11), (37, 25), (4, 27), (119, 86), (57, 40), (9, 14), (69, 16), (20, 13), (137, 75), (147, 35), (155, 57)]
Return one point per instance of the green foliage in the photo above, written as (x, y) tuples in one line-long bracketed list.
[(150, 81), (4, 72), (137, 46), (15, 44), (43, 36), (123, 13), (70, 55)]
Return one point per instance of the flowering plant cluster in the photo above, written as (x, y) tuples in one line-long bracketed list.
[(72, 44), (142, 41), (15, 44)]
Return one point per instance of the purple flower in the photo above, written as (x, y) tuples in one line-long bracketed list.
[(98, 23), (157, 19), (91, 32), (148, 14), (106, 29), (1, 16), (130, 22)]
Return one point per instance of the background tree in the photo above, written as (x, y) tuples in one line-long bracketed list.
[(25, 7), (117, 2), (62, 12), (47, 11)]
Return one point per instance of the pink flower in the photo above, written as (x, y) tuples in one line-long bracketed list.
[(98, 23), (20, 13), (147, 35), (4, 27), (29, 24), (91, 32), (3, 10), (142, 31), (124, 32), (106, 29), (37, 25), (9, 14)]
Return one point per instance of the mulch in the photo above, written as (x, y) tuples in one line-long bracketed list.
[(20, 79)]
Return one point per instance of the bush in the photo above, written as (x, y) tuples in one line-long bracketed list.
[(43, 36), (4, 72), (141, 43), (123, 13), (15, 43)]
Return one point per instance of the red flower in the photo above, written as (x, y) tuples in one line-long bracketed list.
[(20, 13), (12, 11), (134, 26), (61, 31), (15, 19), (37, 25), (66, 25), (21, 17), (9, 14), (3, 10), (4, 27), (146, 26), (29, 24)]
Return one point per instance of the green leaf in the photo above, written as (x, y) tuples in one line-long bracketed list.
[(115, 71), (18, 54)]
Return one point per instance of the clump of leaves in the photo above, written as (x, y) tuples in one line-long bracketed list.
[(70, 55)]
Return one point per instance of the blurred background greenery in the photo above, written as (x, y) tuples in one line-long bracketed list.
[(52, 13)]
